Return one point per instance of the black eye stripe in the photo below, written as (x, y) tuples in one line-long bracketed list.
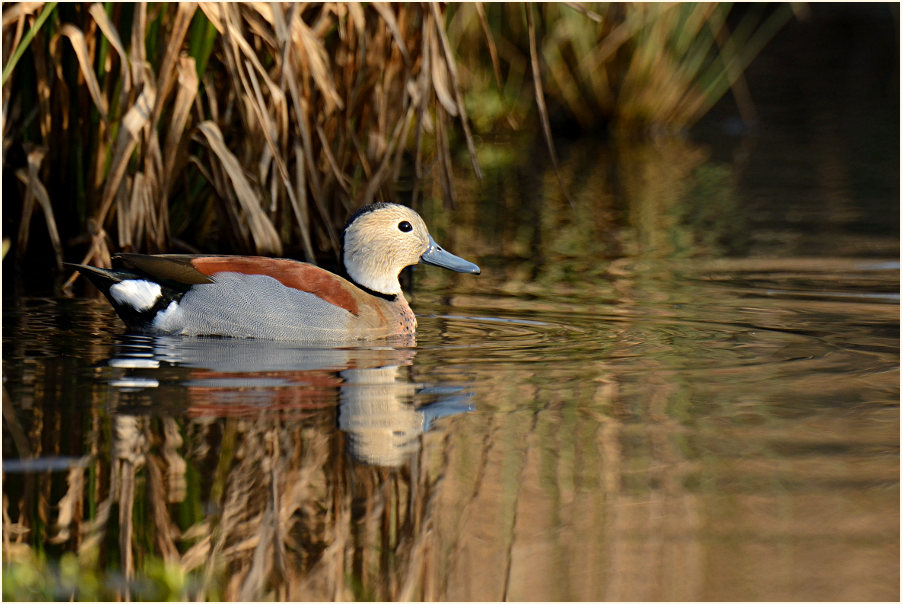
[(404, 226)]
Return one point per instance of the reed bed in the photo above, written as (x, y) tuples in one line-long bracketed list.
[(257, 128), (626, 68), (252, 127)]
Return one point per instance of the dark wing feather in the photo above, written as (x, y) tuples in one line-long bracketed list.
[(172, 270)]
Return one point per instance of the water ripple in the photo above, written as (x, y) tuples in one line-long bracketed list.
[(835, 313)]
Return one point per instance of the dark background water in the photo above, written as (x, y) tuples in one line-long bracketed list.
[(823, 153)]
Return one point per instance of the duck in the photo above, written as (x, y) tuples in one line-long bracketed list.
[(280, 298)]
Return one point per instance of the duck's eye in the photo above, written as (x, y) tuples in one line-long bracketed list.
[(404, 226)]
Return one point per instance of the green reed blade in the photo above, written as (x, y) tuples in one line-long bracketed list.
[(202, 40), (20, 50)]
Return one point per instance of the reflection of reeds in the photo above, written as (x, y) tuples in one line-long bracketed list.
[(281, 515)]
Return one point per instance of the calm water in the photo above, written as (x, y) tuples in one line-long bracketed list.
[(681, 384)]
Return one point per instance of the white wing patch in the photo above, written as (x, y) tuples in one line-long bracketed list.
[(137, 293)]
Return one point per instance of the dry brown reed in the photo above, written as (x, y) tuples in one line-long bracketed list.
[(148, 125), (253, 127)]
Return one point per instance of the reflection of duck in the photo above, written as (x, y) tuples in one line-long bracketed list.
[(378, 414), (381, 411), (281, 299)]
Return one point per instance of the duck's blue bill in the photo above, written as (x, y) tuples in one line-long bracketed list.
[(436, 255)]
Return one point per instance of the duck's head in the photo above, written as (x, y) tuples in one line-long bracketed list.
[(382, 238)]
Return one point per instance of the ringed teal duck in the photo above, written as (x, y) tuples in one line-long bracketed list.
[(280, 299)]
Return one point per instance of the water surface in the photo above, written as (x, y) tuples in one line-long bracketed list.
[(719, 429)]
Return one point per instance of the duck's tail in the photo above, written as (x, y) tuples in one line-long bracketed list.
[(136, 298), (102, 278)]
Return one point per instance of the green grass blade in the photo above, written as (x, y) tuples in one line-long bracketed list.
[(20, 50)]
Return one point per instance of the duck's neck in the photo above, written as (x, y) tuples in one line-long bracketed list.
[(372, 274), (372, 292)]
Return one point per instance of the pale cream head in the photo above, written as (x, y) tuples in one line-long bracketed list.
[(383, 238), (380, 242)]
